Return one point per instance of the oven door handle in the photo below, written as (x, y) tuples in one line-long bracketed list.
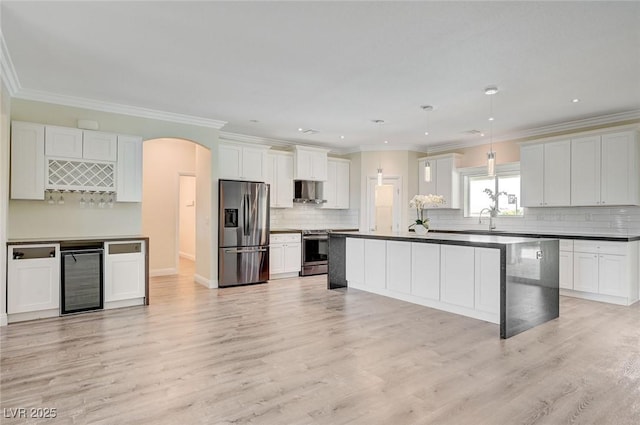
[(315, 238)]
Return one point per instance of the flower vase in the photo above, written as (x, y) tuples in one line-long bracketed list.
[(420, 229)]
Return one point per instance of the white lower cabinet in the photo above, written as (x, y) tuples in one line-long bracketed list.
[(354, 259), (459, 279), (124, 273), (33, 281), (425, 270), (457, 275), (375, 263), (285, 255), (487, 280), (602, 271), (399, 267), (585, 271)]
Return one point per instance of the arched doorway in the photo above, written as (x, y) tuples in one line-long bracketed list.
[(174, 186)]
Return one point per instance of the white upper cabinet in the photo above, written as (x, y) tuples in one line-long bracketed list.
[(336, 189), (27, 160), (605, 170), (280, 177), (546, 174), (445, 179), (129, 169), (63, 142), (310, 164), (620, 169), (585, 171), (100, 146), (242, 162)]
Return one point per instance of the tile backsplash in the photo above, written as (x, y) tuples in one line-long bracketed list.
[(591, 220), (313, 217)]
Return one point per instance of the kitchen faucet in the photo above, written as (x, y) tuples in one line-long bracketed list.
[(492, 226)]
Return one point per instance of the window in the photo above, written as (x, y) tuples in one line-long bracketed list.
[(507, 180)]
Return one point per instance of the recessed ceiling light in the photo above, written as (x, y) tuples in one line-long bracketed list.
[(426, 133), (342, 137), (299, 129), (481, 134), (386, 141), (491, 90), (490, 118), (576, 100)]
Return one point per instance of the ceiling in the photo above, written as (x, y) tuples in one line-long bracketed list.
[(269, 68)]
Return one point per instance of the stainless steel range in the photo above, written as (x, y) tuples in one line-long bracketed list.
[(315, 252)]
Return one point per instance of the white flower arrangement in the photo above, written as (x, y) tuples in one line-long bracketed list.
[(420, 202)]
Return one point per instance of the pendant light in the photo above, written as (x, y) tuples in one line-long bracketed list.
[(379, 123), (427, 164), (491, 155)]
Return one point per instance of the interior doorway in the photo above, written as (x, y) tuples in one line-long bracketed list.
[(383, 204)]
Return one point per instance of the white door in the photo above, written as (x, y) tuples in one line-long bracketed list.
[(381, 212), (619, 170), (585, 171), (612, 279), (399, 266), (531, 175), (566, 270), (585, 271), (557, 173)]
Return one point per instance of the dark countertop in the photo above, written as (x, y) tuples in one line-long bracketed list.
[(489, 241), (67, 239), (286, 230), (580, 236)]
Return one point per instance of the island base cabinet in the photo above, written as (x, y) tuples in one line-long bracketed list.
[(354, 258), (124, 274), (33, 282), (425, 270), (399, 267), (375, 261), (487, 280), (457, 275)]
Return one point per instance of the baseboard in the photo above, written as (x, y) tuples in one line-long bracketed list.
[(284, 275), (207, 283), (163, 272), (3, 319), (187, 256)]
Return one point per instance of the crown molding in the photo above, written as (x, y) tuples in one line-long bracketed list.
[(225, 136), (7, 71), (544, 131), (116, 108), (385, 148)]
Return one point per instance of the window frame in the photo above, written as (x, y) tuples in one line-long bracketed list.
[(502, 170)]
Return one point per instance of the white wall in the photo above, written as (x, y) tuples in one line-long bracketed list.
[(187, 214), (164, 161), (206, 219), (5, 111)]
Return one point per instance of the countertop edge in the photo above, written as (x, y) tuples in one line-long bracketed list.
[(27, 241)]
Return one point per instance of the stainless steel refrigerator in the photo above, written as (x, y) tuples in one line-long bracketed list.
[(243, 233)]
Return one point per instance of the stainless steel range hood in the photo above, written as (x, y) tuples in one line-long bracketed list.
[(308, 192)]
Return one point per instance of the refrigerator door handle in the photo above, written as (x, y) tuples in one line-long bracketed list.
[(244, 251), (245, 219)]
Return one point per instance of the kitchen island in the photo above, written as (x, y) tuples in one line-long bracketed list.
[(511, 281)]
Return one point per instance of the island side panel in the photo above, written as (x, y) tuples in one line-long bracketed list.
[(336, 277), (531, 294)]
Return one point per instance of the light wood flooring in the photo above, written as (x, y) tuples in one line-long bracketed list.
[(292, 352)]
